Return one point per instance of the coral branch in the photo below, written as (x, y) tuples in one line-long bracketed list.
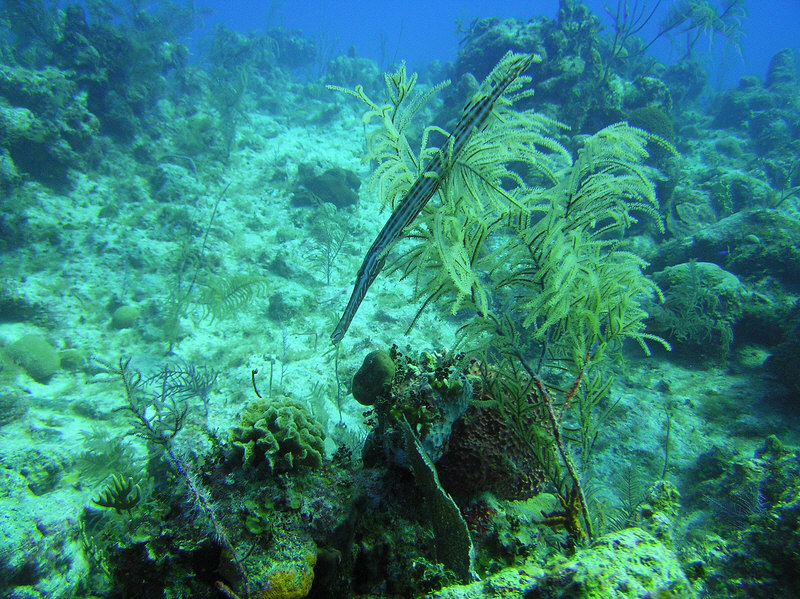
[(574, 499)]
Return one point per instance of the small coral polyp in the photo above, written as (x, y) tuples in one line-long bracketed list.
[(277, 436)]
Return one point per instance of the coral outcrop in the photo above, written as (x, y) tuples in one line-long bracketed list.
[(430, 393), (755, 504), (35, 354), (45, 124), (703, 303), (630, 563), (337, 186)]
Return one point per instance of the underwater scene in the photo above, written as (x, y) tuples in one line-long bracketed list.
[(286, 314)]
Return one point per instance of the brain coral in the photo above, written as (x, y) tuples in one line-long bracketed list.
[(277, 436)]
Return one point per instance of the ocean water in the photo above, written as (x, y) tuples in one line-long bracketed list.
[(335, 299), (419, 32)]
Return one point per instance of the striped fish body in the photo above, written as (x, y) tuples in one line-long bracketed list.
[(475, 114)]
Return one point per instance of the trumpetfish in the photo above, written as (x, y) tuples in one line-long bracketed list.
[(474, 116)]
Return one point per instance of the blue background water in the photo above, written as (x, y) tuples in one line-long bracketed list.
[(419, 31)]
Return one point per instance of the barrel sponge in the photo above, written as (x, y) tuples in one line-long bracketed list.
[(374, 378), (277, 436)]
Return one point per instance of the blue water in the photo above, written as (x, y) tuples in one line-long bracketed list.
[(419, 31)]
